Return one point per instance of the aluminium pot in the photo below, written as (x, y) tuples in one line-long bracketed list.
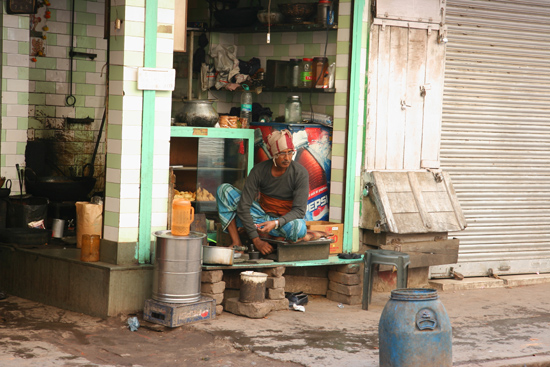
[(198, 112), (217, 255)]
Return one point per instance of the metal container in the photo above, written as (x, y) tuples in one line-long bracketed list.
[(415, 330), (198, 113), (177, 268), (217, 255)]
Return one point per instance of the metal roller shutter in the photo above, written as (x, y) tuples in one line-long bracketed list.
[(495, 139)]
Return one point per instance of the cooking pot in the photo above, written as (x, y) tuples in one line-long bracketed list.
[(217, 255), (59, 188), (198, 112)]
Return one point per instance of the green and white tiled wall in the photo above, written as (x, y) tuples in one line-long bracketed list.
[(284, 46), (124, 136), (15, 94)]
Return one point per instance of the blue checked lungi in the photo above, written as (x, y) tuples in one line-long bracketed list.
[(228, 197)]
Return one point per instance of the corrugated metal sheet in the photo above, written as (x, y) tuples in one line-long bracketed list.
[(496, 133)]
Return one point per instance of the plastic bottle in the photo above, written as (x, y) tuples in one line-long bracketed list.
[(183, 215), (306, 74), (294, 74), (246, 107)]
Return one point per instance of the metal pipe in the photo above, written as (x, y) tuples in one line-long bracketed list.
[(190, 71)]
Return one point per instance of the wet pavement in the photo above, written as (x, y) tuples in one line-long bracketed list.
[(491, 327)]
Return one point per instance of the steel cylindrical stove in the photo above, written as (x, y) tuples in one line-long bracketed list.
[(177, 268)]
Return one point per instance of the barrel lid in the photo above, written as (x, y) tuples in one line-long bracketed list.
[(414, 294), (168, 234)]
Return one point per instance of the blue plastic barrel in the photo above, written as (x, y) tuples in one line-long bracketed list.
[(415, 330)]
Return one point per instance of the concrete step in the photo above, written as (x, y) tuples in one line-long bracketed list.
[(488, 282)]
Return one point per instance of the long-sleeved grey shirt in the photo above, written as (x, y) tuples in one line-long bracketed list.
[(293, 185)]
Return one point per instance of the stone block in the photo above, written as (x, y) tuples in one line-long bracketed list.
[(278, 304), (254, 310), (211, 276), (275, 293), (343, 278), (308, 285), (275, 282), (341, 298), (275, 272), (217, 287), (348, 268), (347, 290), (219, 310), (218, 297)]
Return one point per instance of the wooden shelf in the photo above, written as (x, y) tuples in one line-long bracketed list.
[(275, 28)]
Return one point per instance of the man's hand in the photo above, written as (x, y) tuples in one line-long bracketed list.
[(266, 227), (262, 246)]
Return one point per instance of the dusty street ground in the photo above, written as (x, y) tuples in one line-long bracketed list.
[(32, 334), (494, 327)]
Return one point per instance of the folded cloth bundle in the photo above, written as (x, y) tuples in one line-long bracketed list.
[(296, 298)]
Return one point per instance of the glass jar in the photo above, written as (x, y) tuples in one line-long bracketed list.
[(293, 110), (294, 73), (306, 73), (320, 72)]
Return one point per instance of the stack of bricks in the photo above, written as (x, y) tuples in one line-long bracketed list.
[(212, 286), (344, 284), (275, 283)]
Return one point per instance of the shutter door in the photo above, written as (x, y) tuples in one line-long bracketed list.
[(495, 139)]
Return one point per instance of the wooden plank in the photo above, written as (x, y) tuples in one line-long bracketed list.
[(433, 101), (369, 215), (381, 200), (427, 182), (397, 81), (180, 25), (383, 96), (420, 202), (429, 253), (386, 238), (402, 202), (395, 181), (446, 221), (438, 202), (409, 223), (416, 72), (372, 99), (454, 201)]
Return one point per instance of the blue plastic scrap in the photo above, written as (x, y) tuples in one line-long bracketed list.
[(133, 323)]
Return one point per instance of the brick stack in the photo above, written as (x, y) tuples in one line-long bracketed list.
[(212, 286), (275, 283), (344, 284)]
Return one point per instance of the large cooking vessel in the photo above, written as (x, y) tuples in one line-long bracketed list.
[(198, 112), (59, 188), (177, 268), (217, 255)]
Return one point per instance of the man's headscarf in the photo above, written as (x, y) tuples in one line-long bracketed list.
[(278, 141)]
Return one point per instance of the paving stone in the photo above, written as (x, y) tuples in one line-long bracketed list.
[(275, 282), (347, 290), (211, 276), (275, 293), (217, 287), (254, 310), (275, 272), (348, 268), (343, 278), (342, 298)]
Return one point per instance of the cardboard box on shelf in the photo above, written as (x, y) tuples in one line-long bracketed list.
[(337, 229)]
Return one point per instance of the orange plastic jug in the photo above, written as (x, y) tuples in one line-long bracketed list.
[(183, 215), (89, 251)]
